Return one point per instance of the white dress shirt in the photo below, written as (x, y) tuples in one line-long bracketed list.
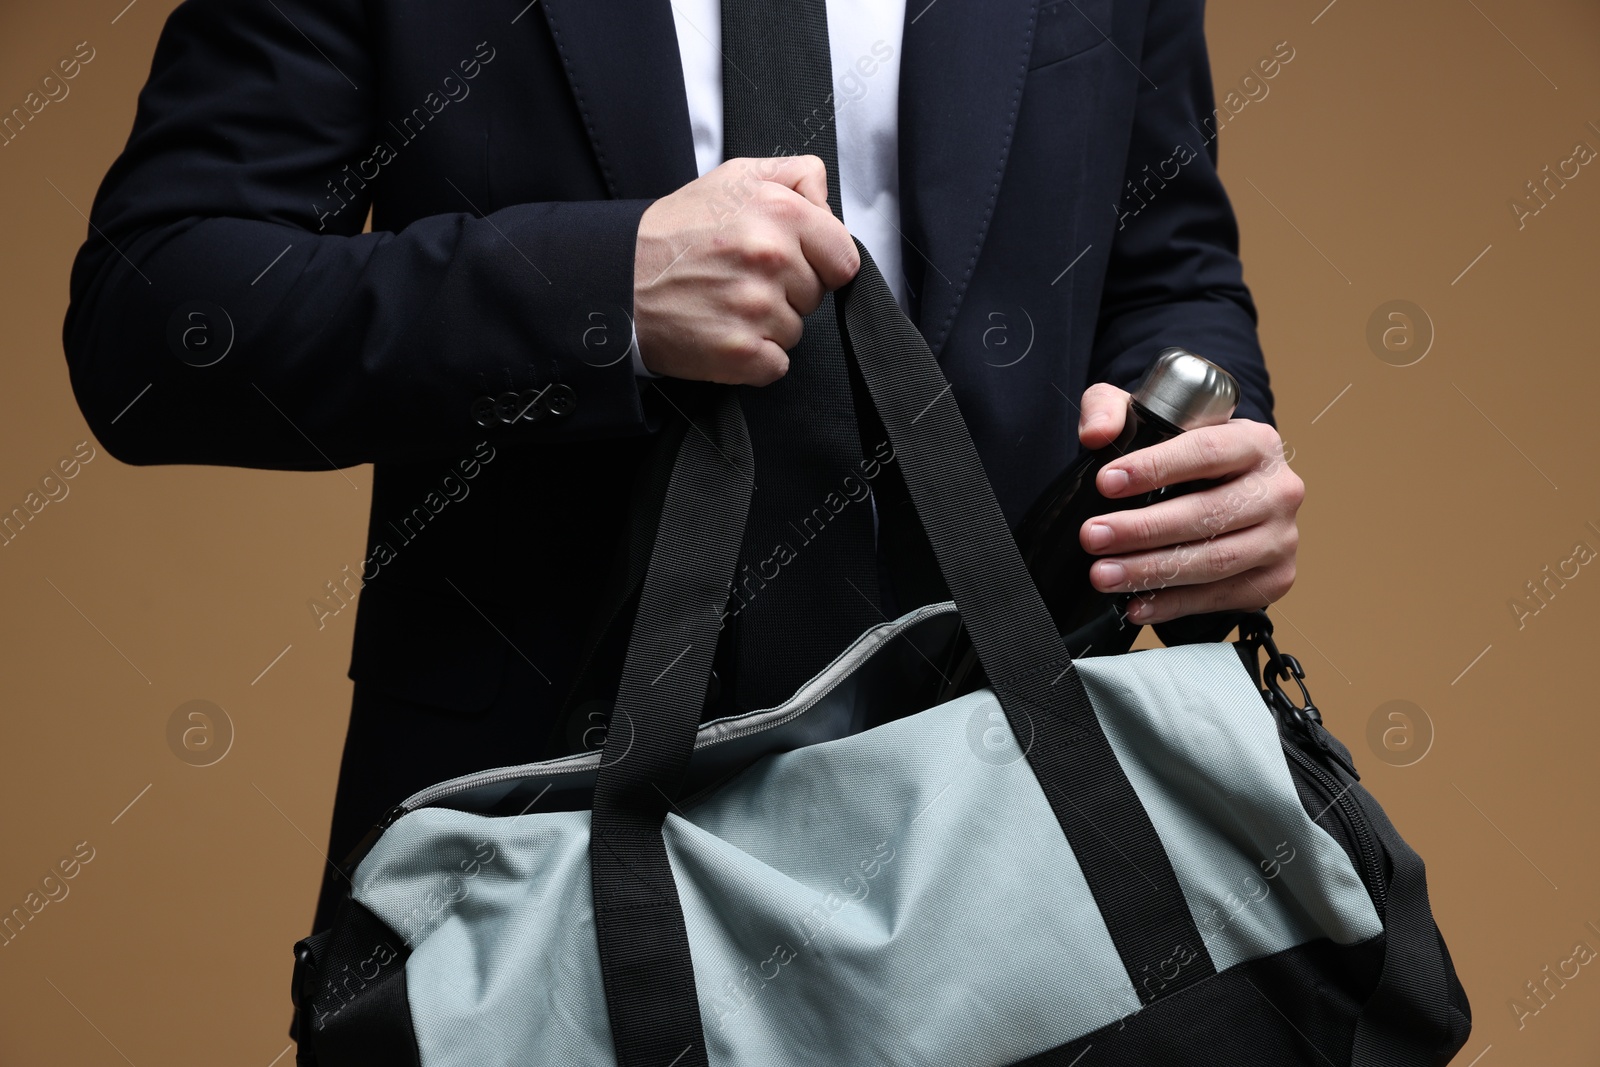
[(864, 39)]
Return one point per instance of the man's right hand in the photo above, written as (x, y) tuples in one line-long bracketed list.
[(726, 267)]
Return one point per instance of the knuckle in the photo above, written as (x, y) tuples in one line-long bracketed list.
[(1149, 470), (767, 168), (1222, 597), (1272, 440), (1290, 545), (1216, 518), (762, 251), (1159, 570), (809, 298), (1141, 527), (1294, 491), (751, 300), (745, 350), (776, 201), (849, 257), (773, 368), (1208, 449), (1100, 396), (1207, 597), (1280, 581), (1143, 581), (1224, 558), (1270, 446), (790, 331)]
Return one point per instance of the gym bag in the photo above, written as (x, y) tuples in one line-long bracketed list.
[(1155, 857)]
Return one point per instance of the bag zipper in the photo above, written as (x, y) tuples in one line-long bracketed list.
[(850, 660), (1304, 720), (844, 666), (1355, 821)]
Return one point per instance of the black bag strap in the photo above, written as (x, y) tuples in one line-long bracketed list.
[(1418, 1013), (644, 951), (643, 944), (1039, 689)]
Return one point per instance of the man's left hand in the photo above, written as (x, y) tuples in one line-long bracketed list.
[(1227, 547)]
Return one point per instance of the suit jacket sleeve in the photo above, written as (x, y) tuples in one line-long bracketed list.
[(1174, 276), (213, 228)]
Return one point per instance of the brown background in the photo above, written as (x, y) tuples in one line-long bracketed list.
[(1378, 167)]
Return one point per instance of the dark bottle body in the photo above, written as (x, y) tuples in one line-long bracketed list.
[(1181, 391), (1049, 535), (1048, 538)]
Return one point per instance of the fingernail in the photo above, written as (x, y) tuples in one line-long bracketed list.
[(1110, 573), (1115, 480), (1099, 536), (1138, 609)]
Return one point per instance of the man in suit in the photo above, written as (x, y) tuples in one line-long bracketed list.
[(558, 236)]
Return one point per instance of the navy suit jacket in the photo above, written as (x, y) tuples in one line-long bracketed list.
[(506, 153)]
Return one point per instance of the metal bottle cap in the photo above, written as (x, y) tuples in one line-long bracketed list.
[(1187, 390)]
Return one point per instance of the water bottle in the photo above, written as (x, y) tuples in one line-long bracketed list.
[(1181, 391)]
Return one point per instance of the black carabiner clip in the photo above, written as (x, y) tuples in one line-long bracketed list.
[(1282, 666), (1255, 630)]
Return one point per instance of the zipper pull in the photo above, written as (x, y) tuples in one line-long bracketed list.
[(1333, 747)]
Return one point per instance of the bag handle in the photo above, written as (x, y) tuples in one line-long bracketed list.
[(643, 944), (644, 951)]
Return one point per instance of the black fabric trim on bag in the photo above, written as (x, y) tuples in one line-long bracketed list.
[(645, 961), (351, 1008), (1296, 1008), (1419, 1013)]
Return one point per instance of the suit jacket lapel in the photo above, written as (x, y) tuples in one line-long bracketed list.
[(627, 78), (962, 67)]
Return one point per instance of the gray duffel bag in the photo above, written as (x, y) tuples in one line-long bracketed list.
[(1144, 858)]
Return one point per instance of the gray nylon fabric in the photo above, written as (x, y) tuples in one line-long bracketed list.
[(900, 896)]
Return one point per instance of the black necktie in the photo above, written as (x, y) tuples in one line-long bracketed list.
[(807, 581)]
